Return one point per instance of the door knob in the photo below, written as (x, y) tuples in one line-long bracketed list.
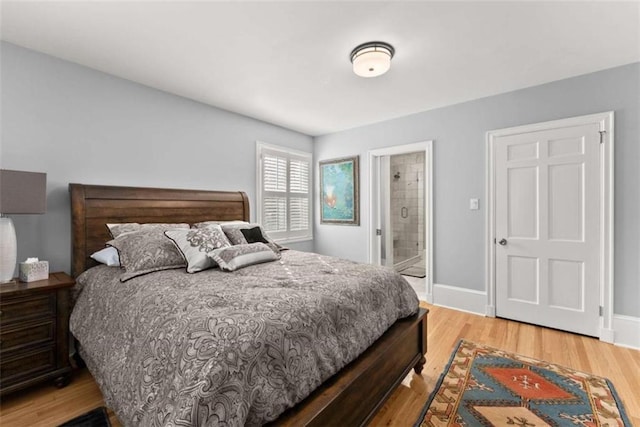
[(502, 242)]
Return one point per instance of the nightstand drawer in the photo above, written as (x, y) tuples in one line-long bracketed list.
[(35, 306), (25, 364), (34, 332), (25, 334)]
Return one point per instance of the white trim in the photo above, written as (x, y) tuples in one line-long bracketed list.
[(375, 199), (285, 150), (554, 124), (607, 168), (490, 232), (627, 331), (461, 299), (427, 147), (605, 120), (385, 188), (295, 240), (607, 335)]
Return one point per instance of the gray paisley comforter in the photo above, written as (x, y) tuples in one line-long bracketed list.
[(217, 348)]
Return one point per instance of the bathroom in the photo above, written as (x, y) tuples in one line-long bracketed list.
[(407, 213)]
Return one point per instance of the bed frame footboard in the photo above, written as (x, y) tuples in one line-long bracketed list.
[(354, 395)]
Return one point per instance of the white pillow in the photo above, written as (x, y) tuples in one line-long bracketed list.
[(195, 244), (231, 258), (108, 256)]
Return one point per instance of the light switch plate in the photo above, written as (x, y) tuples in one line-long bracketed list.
[(474, 204)]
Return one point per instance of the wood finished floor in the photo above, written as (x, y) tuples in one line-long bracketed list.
[(48, 406)]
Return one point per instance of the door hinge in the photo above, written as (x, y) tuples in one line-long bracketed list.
[(600, 310), (602, 134), (378, 232)]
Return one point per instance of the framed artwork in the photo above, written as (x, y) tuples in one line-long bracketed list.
[(339, 191)]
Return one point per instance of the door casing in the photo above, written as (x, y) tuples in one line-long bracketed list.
[(375, 205), (606, 177)]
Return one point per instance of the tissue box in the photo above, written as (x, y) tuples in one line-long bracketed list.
[(32, 271)]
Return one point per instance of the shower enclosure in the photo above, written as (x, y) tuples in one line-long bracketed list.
[(406, 211), (401, 202)]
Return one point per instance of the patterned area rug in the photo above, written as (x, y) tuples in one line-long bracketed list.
[(483, 386)]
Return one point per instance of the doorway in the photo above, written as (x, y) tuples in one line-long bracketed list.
[(401, 206), (550, 200), (403, 246)]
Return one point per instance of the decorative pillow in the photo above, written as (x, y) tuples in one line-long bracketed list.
[(145, 251), (127, 227), (235, 257), (206, 223), (117, 229), (108, 256), (196, 243), (253, 235), (236, 235)]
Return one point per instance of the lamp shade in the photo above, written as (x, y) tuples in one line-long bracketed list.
[(23, 192), (372, 59)]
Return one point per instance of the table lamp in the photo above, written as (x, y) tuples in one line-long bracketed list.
[(20, 193)]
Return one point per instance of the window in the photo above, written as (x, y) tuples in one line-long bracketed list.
[(284, 192)]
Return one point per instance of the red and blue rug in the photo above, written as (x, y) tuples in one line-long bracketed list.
[(484, 386)]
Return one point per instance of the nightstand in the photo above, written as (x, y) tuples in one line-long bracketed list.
[(34, 332)]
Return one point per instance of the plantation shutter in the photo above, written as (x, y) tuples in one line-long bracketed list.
[(299, 200), (274, 201), (284, 192)]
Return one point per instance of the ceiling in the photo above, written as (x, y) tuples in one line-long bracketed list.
[(287, 63)]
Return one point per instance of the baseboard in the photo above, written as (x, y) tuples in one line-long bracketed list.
[(422, 296), (462, 299), (627, 331), (607, 335), (429, 298), (491, 311)]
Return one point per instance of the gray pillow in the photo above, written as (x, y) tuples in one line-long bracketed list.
[(145, 251), (207, 223), (127, 227), (235, 257), (196, 243), (236, 237)]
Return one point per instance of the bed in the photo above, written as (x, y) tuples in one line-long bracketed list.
[(351, 396)]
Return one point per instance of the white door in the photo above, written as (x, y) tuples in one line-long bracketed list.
[(385, 211), (383, 241), (547, 224)]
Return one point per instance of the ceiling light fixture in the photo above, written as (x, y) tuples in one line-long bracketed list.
[(372, 59)]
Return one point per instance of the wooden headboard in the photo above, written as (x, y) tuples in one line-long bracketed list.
[(93, 206)]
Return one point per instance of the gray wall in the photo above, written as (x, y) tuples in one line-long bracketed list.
[(80, 125), (459, 132)]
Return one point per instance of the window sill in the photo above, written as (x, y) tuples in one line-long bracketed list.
[(294, 239)]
